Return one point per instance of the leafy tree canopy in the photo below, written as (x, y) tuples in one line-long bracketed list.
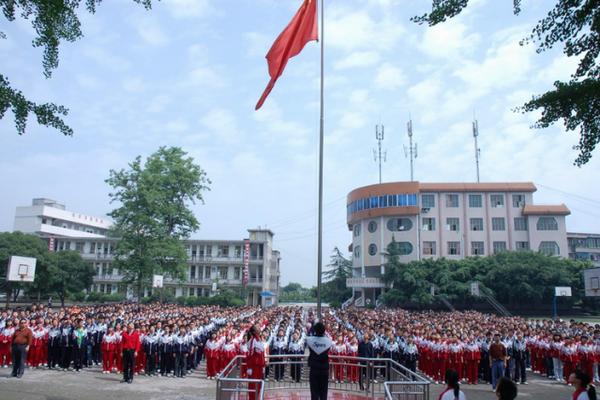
[(53, 21), (575, 25), (155, 215), (70, 274), (340, 268), (292, 287)]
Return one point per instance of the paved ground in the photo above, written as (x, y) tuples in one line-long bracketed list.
[(93, 385)]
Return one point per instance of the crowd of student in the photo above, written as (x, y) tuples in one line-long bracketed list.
[(174, 340)]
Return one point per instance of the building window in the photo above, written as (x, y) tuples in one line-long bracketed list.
[(403, 248), (193, 272), (44, 221), (547, 224), (452, 200), (223, 251), (392, 200), (108, 289), (102, 286), (429, 224), (429, 248), (518, 200), (499, 247), (594, 243), (372, 226), (79, 246), (477, 248), (238, 251), (522, 246), (475, 201), (428, 201), (372, 249), (550, 248), (357, 229), (93, 247), (399, 224), (357, 252), (453, 248), (476, 224), (497, 200), (520, 224), (207, 272), (222, 272), (498, 224), (453, 224), (209, 250), (237, 273)]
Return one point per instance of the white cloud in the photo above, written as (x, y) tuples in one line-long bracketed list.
[(205, 76), (151, 31), (133, 84), (191, 8), (257, 44), (390, 77), (449, 40), (222, 124), (358, 59), (89, 82), (176, 126)]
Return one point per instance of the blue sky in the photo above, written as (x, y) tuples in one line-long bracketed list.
[(189, 72)]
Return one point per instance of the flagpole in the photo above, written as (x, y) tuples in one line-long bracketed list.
[(320, 219)]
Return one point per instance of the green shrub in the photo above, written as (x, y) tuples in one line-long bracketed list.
[(181, 300), (190, 301), (145, 300), (335, 304), (370, 306), (77, 297), (115, 297), (96, 297), (167, 296), (203, 301)]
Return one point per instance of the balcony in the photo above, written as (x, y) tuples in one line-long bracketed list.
[(107, 277), (96, 256), (365, 283), (255, 281)]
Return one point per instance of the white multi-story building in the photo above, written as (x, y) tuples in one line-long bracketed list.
[(452, 220), (47, 218), (584, 246), (209, 261)]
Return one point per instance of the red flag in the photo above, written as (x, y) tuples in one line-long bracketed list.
[(302, 29)]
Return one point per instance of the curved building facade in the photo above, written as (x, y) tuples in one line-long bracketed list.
[(452, 220)]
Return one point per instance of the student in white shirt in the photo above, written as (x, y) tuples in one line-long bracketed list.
[(452, 391)]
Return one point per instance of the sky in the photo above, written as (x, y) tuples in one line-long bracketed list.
[(188, 73)]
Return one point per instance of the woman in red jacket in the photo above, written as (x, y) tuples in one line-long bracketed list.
[(255, 361)]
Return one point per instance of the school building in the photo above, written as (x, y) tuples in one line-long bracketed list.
[(209, 261), (451, 220)]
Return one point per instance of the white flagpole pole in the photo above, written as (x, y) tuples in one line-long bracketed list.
[(321, 134)]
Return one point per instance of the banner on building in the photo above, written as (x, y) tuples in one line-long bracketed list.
[(246, 261), (51, 243)]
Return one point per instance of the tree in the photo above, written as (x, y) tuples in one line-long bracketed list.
[(70, 274), (154, 215), (340, 269), (292, 287), (19, 244), (574, 24), (53, 21)]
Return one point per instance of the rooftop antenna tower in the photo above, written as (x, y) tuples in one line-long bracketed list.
[(477, 149), (412, 150), (379, 136)]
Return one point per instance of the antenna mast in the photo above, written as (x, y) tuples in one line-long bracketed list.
[(411, 149), (477, 149), (379, 136)]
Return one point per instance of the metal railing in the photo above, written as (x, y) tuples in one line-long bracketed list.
[(368, 376), (359, 302), (499, 307), (347, 303)]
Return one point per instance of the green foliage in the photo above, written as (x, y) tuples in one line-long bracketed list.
[(77, 297), (145, 300), (203, 301), (575, 25), (115, 297), (340, 269), (335, 304), (53, 21), (191, 300), (181, 300), (167, 296), (370, 306), (226, 298), (71, 274), (518, 276), (19, 244), (292, 287), (154, 215), (96, 297)]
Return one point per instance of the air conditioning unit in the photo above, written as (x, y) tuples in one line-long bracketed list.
[(425, 209)]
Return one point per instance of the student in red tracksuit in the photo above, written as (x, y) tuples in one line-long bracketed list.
[(211, 352), (37, 345), (455, 356), (255, 360), (5, 338), (472, 356), (568, 355), (228, 352), (352, 362), (338, 350), (108, 348), (119, 349), (587, 357), (243, 351), (140, 359)]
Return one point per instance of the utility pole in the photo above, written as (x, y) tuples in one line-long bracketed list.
[(379, 136), (411, 149), (477, 149)]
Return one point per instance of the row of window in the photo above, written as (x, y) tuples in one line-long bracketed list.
[(454, 248), (453, 224), (221, 272), (392, 200), (475, 200)]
